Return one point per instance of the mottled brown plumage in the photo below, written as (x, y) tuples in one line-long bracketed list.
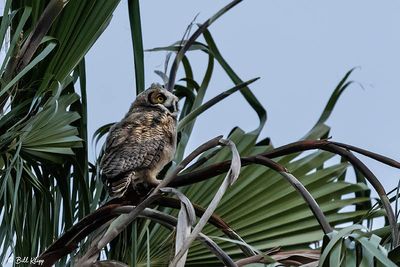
[(142, 143)]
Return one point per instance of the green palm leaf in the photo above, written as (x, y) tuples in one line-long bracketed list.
[(44, 168), (264, 210)]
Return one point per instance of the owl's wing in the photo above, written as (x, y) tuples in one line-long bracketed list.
[(131, 147)]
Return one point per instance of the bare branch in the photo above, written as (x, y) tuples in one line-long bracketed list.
[(214, 248), (316, 210), (222, 167), (115, 229), (372, 155), (370, 176)]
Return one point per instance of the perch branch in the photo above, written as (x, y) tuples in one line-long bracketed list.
[(126, 219), (69, 241)]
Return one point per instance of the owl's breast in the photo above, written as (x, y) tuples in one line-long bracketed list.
[(163, 127), (158, 124)]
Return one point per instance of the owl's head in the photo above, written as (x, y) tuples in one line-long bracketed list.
[(157, 96)]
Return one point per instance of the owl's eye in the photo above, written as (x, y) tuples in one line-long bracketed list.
[(160, 99), (157, 98)]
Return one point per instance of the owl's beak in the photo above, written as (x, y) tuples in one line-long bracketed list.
[(173, 108), (176, 106)]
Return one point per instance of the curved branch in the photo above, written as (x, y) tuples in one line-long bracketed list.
[(299, 187), (370, 176), (336, 148), (388, 161), (221, 167), (68, 242)]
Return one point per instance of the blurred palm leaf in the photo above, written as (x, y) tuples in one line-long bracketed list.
[(50, 130), (45, 183), (352, 247)]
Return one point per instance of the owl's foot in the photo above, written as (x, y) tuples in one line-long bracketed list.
[(118, 188)]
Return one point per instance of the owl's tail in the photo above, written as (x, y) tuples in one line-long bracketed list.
[(118, 188)]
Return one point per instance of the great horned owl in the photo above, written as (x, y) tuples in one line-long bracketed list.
[(142, 143)]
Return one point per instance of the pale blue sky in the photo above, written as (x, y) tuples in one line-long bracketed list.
[(300, 49)]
